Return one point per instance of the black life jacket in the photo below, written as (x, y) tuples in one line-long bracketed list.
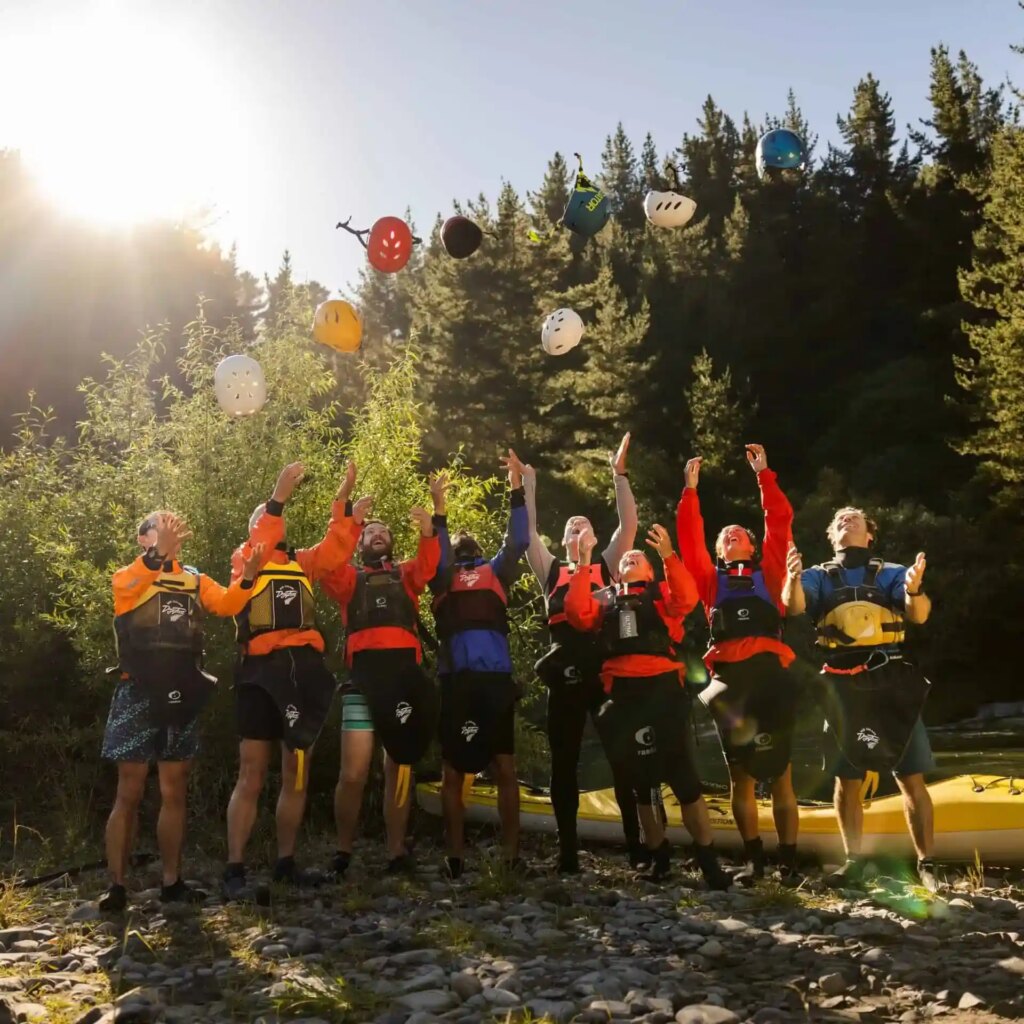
[(473, 598), (380, 599), (631, 623), (282, 598), (558, 588), (860, 616), (166, 619), (743, 606)]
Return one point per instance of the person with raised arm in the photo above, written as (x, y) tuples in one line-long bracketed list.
[(478, 691), (644, 721), (162, 688), (752, 694), (570, 668), (388, 695), (283, 687), (860, 604)]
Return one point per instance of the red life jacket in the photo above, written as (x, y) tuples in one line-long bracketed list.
[(473, 598), (380, 599), (558, 588)]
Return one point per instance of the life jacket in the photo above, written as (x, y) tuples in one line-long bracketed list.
[(860, 616), (558, 622), (282, 598), (380, 599), (631, 623), (165, 617), (474, 598), (743, 606)]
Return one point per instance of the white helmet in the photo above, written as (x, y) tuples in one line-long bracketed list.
[(561, 332), (668, 209), (239, 385)]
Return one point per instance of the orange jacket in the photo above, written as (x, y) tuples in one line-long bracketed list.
[(133, 580), (677, 598), (331, 553), (416, 574)]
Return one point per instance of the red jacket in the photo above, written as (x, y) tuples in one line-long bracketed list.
[(778, 534), (416, 574), (677, 598)]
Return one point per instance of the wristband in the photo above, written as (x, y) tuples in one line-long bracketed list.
[(919, 593)]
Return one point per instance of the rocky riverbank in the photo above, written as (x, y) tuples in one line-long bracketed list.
[(494, 947)]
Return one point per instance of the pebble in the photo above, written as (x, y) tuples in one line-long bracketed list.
[(705, 1013), (832, 984), (429, 1001)]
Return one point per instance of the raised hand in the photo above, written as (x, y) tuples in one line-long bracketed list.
[(915, 574), (348, 483), (529, 475), (756, 457), (692, 472), (514, 468), (171, 532), (290, 477), (361, 509), (658, 538), (421, 517), (586, 541), (439, 490), (794, 562), (253, 562), (618, 460)]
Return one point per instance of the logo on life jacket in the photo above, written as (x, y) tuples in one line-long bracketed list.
[(381, 602), (291, 714), (869, 738), (571, 673), (287, 594), (173, 610), (469, 730), (763, 741), (470, 577), (645, 739), (402, 711), (174, 697), (743, 613)]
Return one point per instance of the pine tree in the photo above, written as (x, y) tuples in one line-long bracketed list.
[(994, 285), (548, 202), (620, 178)]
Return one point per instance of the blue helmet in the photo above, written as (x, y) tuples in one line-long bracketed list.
[(780, 149)]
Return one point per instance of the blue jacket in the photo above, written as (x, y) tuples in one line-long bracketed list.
[(483, 650)]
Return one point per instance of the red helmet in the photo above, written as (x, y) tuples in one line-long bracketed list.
[(389, 245)]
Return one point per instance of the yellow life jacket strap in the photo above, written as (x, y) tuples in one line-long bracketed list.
[(280, 571)]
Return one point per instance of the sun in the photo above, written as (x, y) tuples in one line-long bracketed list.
[(115, 117)]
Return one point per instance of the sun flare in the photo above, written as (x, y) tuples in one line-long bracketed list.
[(116, 118)]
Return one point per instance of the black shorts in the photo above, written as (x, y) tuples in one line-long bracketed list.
[(753, 703), (256, 714), (502, 733)]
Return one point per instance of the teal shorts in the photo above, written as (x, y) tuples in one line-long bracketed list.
[(355, 713)]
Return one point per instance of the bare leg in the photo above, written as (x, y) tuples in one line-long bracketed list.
[(744, 802), (291, 801), (697, 822), (131, 784), (850, 814), (504, 768), (170, 825), (254, 759), (453, 810), (785, 809), (356, 755), (396, 819), (917, 805)]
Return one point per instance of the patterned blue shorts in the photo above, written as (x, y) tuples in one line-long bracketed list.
[(131, 736)]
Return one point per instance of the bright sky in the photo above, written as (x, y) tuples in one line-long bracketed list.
[(287, 117)]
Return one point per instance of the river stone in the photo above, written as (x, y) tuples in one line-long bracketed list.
[(969, 1001), (706, 1013), (832, 984), (432, 977), (430, 1001), (712, 948), (501, 997), (465, 986), (559, 1011)]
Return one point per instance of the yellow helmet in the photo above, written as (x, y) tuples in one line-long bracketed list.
[(336, 324)]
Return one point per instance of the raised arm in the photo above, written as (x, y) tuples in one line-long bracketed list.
[(230, 600), (420, 570), (339, 542), (624, 537), (517, 536), (690, 532), (682, 588), (778, 521), (538, 557), (793, 596), (917, 603)]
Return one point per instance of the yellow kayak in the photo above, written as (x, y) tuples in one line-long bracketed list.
[(981, 814)]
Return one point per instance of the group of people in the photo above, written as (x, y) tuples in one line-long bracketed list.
[(614, 655)]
